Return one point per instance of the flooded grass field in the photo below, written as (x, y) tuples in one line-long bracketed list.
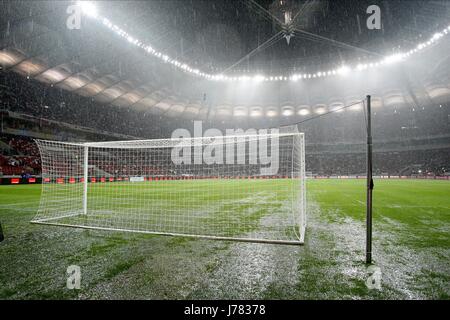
[(411, 248)]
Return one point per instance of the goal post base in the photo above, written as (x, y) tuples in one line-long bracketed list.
[(56, 218), (285, 242)]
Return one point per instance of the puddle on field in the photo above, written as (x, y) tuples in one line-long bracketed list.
[(403, 269), (329, 265)]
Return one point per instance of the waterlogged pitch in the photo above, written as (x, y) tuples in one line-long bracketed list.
[(244, 209), (411, 250)]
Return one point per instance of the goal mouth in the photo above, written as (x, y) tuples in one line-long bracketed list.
[(245, 188)]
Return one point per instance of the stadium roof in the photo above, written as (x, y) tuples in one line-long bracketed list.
[(213, 36)]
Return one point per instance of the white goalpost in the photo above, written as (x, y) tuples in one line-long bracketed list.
[(240, 187)]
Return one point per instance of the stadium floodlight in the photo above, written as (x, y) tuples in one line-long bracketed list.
[(247, 187), (271, 113), (393, 58), (258, 78), (356, 107), (303, 112), (255, 113), (320, 110), (344, 70), (88, 8), (362, 66)]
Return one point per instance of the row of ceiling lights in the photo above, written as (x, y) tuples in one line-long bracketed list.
[(302, 111), (287, 112)]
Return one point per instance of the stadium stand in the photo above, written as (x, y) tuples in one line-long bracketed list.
[(406, 143)]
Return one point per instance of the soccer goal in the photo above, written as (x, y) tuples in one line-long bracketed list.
[(240, 187)]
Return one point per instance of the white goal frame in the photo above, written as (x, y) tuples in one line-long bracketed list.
[(73, 190)]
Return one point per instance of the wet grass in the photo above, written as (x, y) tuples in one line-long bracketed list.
[(200, 207), (121, 266), (411, 246), (417, 211)]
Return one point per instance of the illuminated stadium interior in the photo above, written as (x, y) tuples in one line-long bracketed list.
[(132, 70)]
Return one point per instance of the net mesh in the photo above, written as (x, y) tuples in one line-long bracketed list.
[(240, 187)]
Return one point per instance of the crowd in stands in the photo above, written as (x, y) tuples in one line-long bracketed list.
[(22, 157), (19, 94), (18, 165), (31, 97), (24, 146), (19, 156), (417, 162)]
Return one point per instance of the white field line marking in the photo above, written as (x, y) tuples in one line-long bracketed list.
[(20, 204), (399, 206), (20, 209), (354, 200), (390, 206)]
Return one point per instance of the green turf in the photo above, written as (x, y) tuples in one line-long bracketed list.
[(411, 246), (263, 209)]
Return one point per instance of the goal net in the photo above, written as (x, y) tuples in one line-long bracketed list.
[(242, 187)]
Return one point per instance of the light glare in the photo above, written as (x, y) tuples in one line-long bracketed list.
[(88, 8)]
